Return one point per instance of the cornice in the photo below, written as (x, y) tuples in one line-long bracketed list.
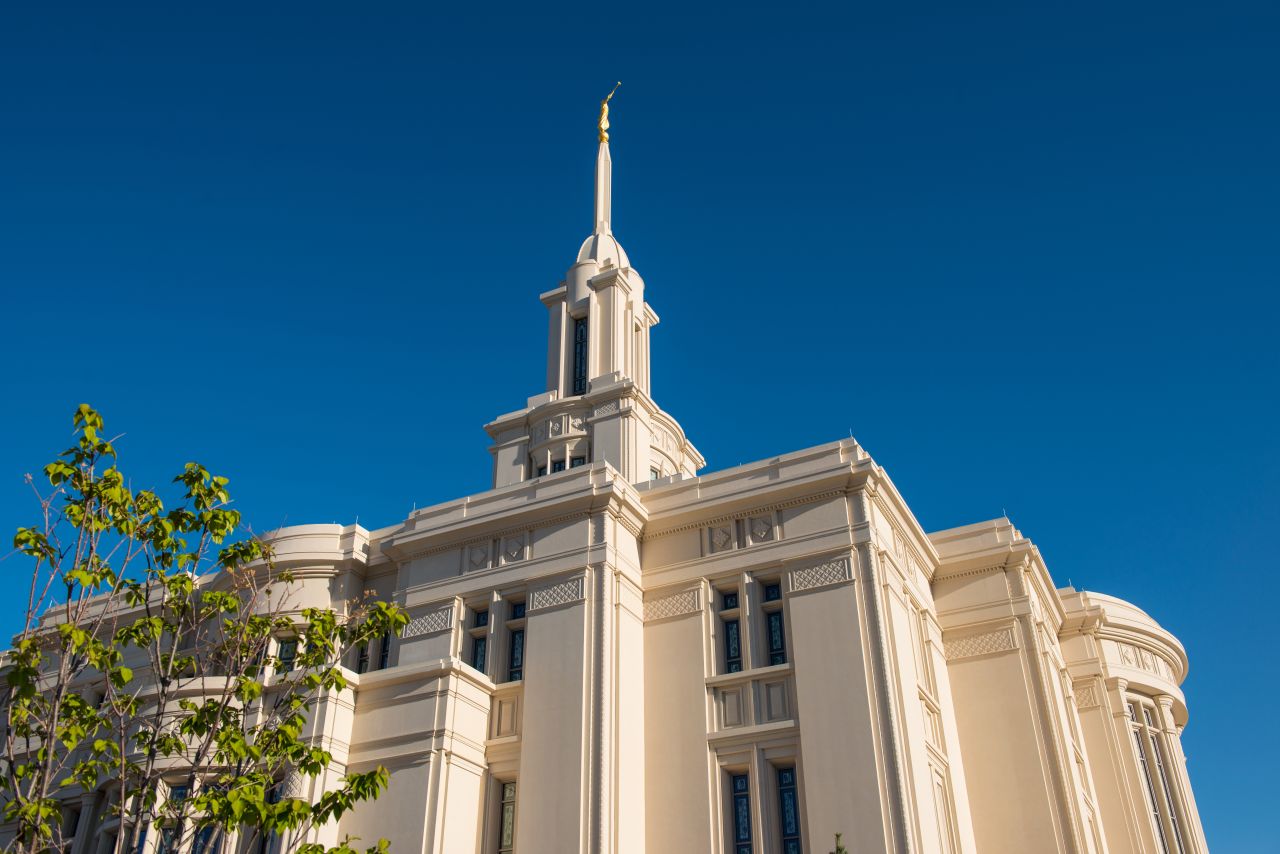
[(602, 489), (651, 533)]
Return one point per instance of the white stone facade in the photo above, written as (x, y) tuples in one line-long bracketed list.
[(747, 661)]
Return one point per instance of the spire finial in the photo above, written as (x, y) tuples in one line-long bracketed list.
[(604, 113)]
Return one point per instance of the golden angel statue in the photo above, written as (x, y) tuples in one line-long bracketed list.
[(604, 114)]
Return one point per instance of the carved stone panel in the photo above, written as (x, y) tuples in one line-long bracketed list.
[(430, 623), (513, 548), (731, 707), (720, 537), (971, 646), (675, 605), (761, 528), (477, 556), (573, 590), (774, 701), (837, 571)]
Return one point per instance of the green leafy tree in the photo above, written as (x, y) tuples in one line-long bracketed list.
[(162, 663)]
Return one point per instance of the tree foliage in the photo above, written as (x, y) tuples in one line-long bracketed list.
[(163, 661)]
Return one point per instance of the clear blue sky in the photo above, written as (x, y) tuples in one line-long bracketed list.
[(1028, 255)]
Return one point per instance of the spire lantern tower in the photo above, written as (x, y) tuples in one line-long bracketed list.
[(597, 407)]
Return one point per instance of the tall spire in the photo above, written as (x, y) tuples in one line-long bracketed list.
[(604, 171), (602, 247)]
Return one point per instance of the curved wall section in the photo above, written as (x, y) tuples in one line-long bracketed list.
[(1127, 671)]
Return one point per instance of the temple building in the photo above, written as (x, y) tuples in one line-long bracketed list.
[(611, 652)]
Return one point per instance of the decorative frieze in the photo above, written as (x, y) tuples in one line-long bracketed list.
[(971, 646), (430, 623), (477, 556), (610, 408), (756, 528), (675, 605), (824, 574), (573, 590), (1141, 659)]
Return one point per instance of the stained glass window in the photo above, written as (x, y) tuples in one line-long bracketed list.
[(741, 814), (729, 601), (208, 840), (479, 646), (788, 811), (732, 647), (777, 638), (507, 820), (287, 652), (481, 619), (772, 592), (384, 652), (580, 356), (515, 671)]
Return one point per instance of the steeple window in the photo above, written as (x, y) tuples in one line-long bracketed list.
[(580, 355)]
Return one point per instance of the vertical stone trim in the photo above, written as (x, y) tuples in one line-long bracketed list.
[(887, 722), (1067, 806), (601, 693)]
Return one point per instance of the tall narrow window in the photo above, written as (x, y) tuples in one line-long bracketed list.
[(208, 840), (384, 652), (479, 634), (286, 652), (580, 356), (777, 638), (732, 647), (741, 814), (507, 820), (1157, 755), (1145, 766), (788, 811), (362, 658), (269, 842), (1151, 760), (515, 670), (732, 631)]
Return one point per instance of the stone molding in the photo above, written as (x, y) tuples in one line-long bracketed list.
[(1142, 659), (825, 574), (757, 511), (972, 646), (676, 605), (562, 593), (430, 623)]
